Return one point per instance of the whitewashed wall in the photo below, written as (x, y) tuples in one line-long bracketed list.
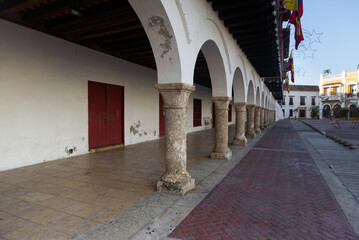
[(296, 102), (44, 102)]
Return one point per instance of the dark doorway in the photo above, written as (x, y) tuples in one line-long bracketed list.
[(302, 113)]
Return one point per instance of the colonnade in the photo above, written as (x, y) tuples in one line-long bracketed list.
[(250, 120)]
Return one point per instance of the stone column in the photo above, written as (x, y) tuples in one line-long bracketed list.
[(262, 119), (221, 149), (175, 98), (240, 138), (250, 121), (257, 119)]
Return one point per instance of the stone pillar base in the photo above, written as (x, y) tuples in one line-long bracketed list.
[(221, 155), (262, 128), (240, 141), (250, 135), (258, 130), (177, 188)]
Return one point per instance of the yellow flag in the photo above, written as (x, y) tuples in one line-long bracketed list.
[(291, 5)]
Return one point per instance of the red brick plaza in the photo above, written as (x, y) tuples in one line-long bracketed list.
[(275, 192)]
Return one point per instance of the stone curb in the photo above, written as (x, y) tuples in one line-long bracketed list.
[(333, 137)]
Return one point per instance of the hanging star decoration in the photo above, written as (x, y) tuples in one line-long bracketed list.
[(307, 48)]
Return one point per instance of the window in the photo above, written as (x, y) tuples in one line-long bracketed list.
[(197, 112), (313, 101), (302, 100), (291, 101), (326, 92), (334, 91), (290, 112), (283, 112), (353, 89), (230, 113)]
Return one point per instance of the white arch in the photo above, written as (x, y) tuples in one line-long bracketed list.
[(258, 97), (250, 93), (239, 86), (262, 101), (163, 39), (327, 104), (216, 68)]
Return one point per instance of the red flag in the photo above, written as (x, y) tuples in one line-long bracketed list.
[(298, 28)]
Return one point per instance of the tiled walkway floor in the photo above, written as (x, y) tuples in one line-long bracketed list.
[(275, 192), (60, 199)]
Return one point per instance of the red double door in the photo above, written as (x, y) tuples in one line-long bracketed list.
[(106, 114)]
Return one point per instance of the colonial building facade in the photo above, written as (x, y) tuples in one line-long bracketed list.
[(300, 101), (80, 78), (339, 91)]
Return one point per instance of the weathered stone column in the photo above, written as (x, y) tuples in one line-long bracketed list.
[(221, 149), (262, 119), (176, 178), (239, 138), (267, 117), (250, 121), (257, 119)]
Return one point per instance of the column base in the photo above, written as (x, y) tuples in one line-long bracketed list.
[(240, 141), (258, 130), (177, 188), (250, 135), (262, 128), (221, 155)]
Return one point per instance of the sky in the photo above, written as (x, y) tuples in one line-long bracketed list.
[(331, 39)]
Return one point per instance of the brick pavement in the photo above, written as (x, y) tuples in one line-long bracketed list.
[(275, 192), (345, 131)]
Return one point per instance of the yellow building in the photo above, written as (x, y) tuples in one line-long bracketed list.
[(339, 95)]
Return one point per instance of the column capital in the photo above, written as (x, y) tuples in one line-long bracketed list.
[(175, 95), (240, 106), (221, 99), (250, 106)]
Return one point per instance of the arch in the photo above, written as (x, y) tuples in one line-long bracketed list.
[(326, 110), (162, 37), (336, 109), (239, 86), (250, 93), (216, 68), (258, 97), (266, 102), (353, 110), (262, 102)]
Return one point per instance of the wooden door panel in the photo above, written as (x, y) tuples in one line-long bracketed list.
[(114, 114), (97, 114)]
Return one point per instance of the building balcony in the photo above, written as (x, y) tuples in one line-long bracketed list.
[(332, 97), (351, 96)]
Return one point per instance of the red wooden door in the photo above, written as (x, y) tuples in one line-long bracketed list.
[(197, 112), (106, 118), (114, 115), (213, 115), (162, 118), (229, 113)]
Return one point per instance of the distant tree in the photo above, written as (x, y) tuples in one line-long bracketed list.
[(327, 72), (358, 66), (314, 112)]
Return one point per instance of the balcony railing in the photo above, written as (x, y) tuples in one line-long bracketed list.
[(340, 97)]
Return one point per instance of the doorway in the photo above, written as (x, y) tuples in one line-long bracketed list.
[(106, 114)]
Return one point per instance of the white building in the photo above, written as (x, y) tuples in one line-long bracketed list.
[(300, 100), (73, 80)]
